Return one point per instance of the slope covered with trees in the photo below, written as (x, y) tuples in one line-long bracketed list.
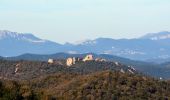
[(35, 80), (104, 85)]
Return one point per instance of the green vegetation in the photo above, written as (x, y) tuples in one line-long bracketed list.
[(11, 90), (83, 81), (103, 85)]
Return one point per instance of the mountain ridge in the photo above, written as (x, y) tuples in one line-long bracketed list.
[(151, 69), (157, 36), (5, 34), (13, 43), (135, 49)]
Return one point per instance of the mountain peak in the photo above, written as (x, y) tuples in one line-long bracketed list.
[(157, 36), (5, 34)]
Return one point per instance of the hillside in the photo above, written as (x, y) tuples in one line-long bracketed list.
[(101, 85), (152, 69), (32, 69), (39, 80), (106, 85)]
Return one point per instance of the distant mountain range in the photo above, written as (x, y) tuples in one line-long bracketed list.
[(147, 48), (13, 44)]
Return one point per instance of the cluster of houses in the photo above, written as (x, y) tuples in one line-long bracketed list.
[(72, 60)]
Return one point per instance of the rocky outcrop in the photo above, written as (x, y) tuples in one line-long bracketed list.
[(70, 61), (17, 67), (88, 58), (100, 59), (50, 61)]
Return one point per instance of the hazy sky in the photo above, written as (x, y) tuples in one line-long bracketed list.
[(72, 20)]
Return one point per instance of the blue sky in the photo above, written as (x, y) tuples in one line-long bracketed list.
[(73, 20)]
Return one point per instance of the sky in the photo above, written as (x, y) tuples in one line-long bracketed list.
[(74, 20)]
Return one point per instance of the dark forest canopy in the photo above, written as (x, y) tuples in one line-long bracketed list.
[(102, 85), (39, 80)]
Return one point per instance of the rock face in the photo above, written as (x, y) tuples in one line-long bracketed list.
[(55, 62), (17, 68), (70, 61), (88, 58), (50, 61), (100, 59)]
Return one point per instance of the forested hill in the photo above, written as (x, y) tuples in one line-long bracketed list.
[(103, 85), (152, 69), (101, 80), (25, 70)]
